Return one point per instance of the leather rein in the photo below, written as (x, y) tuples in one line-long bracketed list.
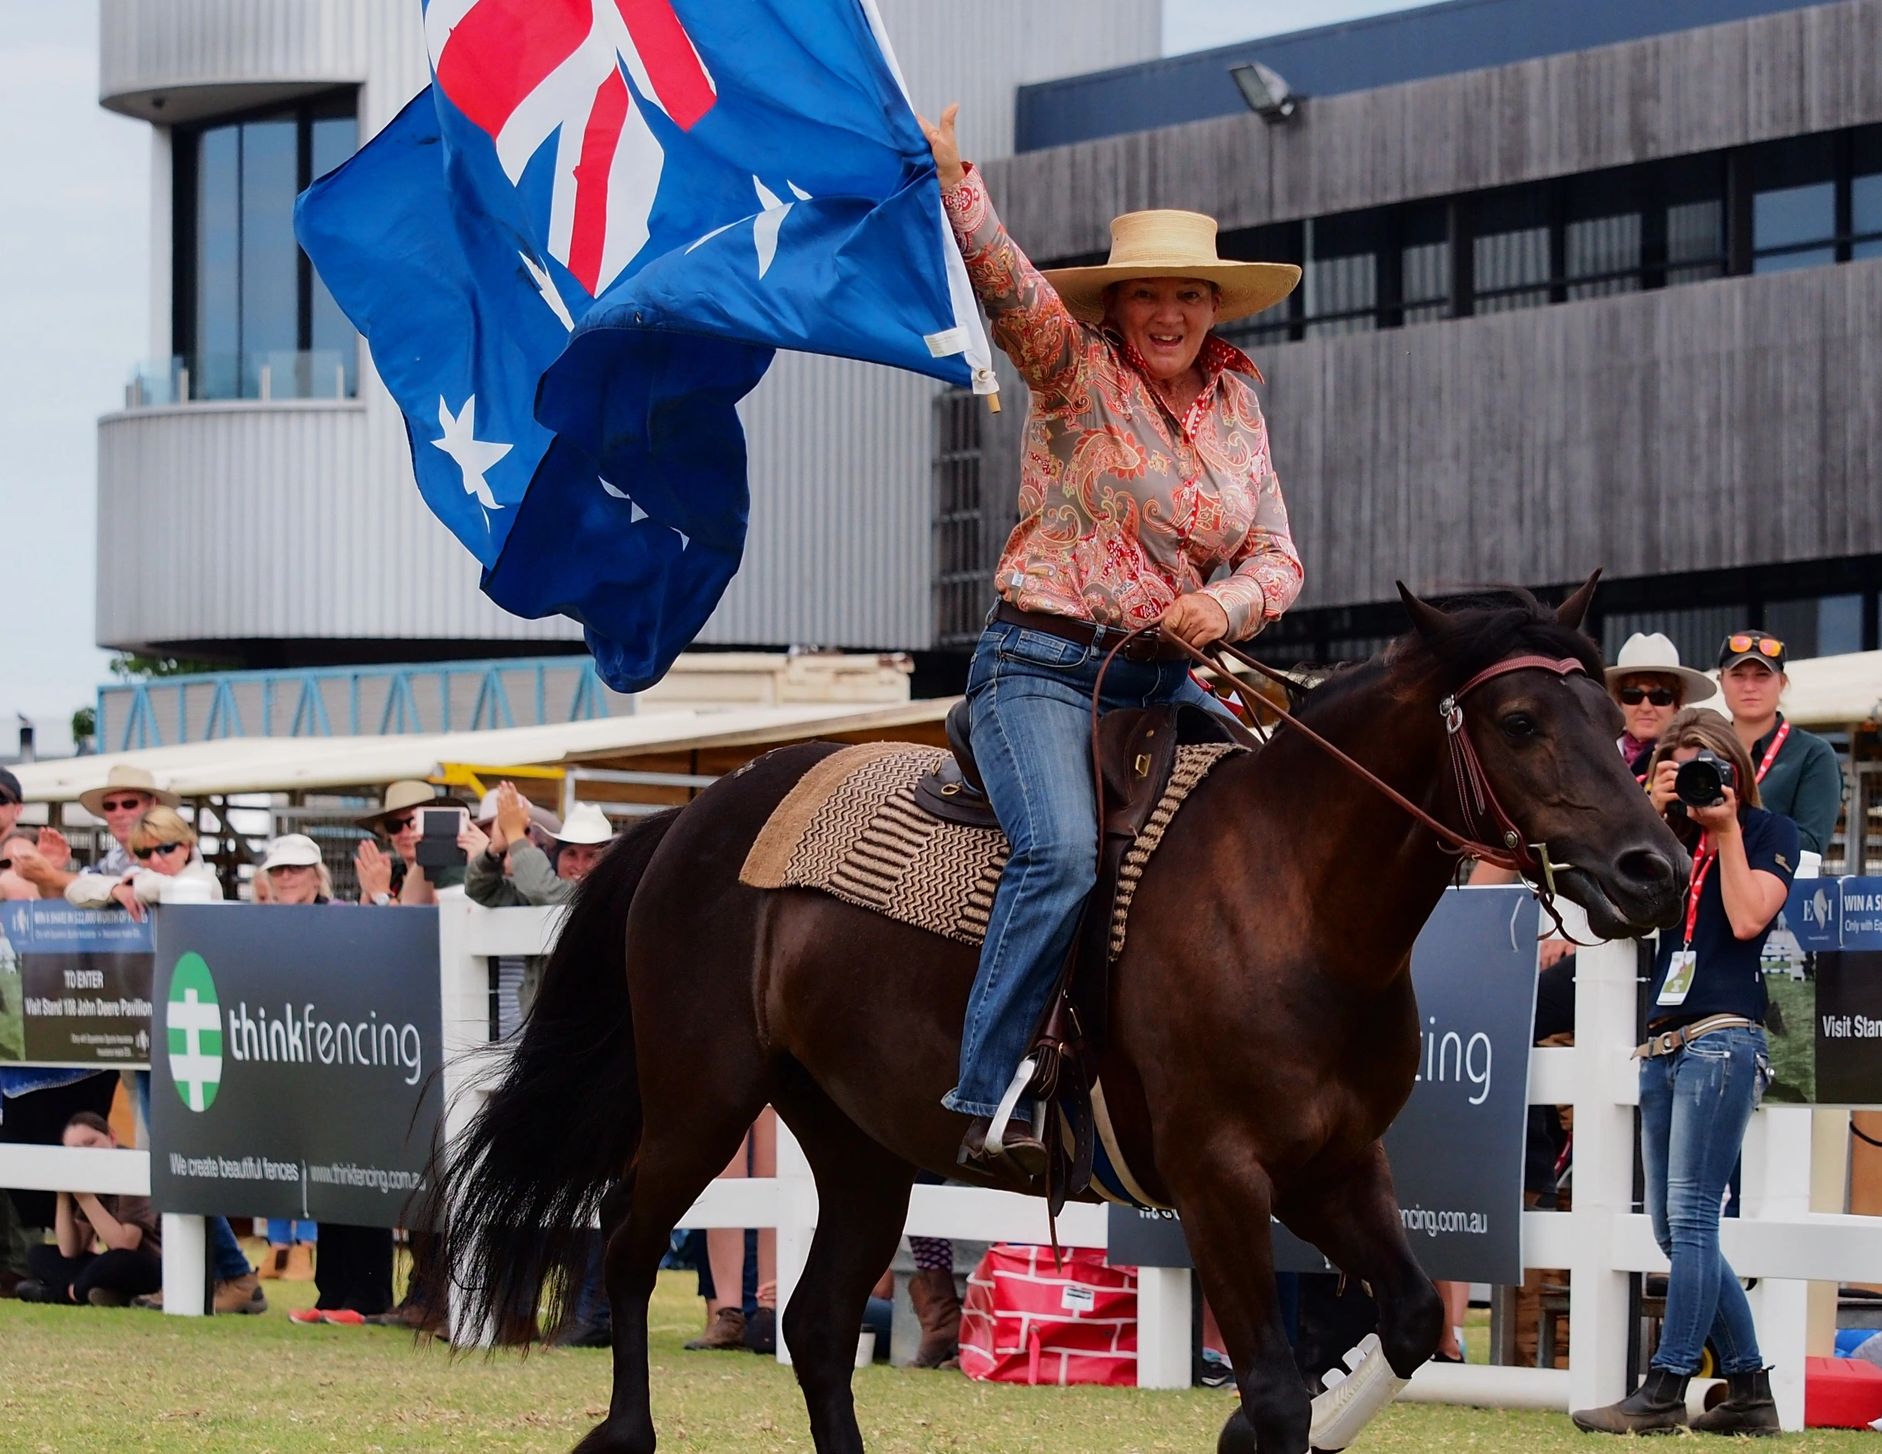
[(1475, 795)]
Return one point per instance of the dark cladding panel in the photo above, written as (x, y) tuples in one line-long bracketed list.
[(1358, 55)]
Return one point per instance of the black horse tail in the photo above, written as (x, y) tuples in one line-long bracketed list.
[(516, 1192)]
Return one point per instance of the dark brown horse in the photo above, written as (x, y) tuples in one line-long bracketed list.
[(1264, 1033)]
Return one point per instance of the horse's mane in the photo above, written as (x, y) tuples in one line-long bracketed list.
[(1479, 629)]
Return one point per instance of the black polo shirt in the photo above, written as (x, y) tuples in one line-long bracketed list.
[(1727, 979)]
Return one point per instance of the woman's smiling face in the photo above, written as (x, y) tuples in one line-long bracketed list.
[(1164, 319)]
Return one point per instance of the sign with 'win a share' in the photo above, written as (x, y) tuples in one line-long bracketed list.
[(295, 1077)]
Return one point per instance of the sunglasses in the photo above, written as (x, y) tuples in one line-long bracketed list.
[(1764, 645), (396, 826), (1659, 696), (157, 848), (122, 805)]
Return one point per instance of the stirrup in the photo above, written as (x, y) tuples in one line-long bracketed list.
[(1009, 1103)]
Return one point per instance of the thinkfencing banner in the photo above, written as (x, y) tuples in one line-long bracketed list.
[(74, 986), (297, 1070), (1457, 1147)]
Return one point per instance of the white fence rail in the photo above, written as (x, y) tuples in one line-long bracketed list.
[(1777, 1238)]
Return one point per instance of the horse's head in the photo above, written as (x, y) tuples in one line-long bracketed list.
[(1546, 742)]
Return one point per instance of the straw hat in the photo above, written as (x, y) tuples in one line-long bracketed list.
[(406, 793), (125, 778), (586, 824), (1169, 244), (1653, 652)]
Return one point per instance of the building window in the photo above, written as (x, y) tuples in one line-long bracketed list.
[(1793, 203), (250, 317), (1510, 249)]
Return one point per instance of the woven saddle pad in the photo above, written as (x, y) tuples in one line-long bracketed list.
[(850, 828)]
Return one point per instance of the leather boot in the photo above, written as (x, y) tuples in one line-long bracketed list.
[(938, 1306), (1658, 1406), (1748, 1407), (1019, 1150)]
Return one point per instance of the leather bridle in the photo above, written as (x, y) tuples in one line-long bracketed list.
[(1476, 797)]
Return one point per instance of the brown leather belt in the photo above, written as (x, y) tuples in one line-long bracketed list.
[(1666, 1042), (1150, 647)]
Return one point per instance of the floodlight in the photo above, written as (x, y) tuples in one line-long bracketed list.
[(1266, 91)]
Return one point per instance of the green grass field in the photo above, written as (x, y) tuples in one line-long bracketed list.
[(94, 1380)]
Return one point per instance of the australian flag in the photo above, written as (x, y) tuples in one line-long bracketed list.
[(578, 248)]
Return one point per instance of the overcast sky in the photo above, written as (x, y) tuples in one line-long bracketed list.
[(75, 298)]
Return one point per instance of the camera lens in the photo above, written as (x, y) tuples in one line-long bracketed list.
[(1699, 783)]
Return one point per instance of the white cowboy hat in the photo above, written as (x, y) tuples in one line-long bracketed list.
[(586, 824), (1645, 652), (1170, 244), (125, 778), (291, 850)]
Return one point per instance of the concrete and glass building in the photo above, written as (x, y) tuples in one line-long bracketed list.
[(1585, 285)]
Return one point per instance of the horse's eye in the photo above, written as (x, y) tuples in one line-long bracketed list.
[(1519, 724)]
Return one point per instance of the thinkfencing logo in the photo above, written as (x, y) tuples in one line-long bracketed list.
[(193, 1021)]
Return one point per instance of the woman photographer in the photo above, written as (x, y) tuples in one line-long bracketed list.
[(1702, 1070)]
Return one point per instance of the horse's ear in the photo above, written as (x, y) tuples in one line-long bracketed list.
[(1571, 611), (1427, 620)]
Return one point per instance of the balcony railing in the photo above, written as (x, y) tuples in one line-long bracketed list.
[(320, 373)]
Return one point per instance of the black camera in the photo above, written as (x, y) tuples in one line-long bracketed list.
[(1701, 783)]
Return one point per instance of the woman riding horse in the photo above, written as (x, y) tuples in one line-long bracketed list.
[(1145, 472)]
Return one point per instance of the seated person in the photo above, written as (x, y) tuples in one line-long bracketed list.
[(69, 1270)]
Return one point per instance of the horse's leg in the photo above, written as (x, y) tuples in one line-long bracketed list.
[(1354, 1218), (862, 1205), (1225, 1213), (676, 1160)]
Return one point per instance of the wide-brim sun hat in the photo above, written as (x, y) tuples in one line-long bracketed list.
[(291, 850), (1166, 243), (586, 824), (124, 778), (1653, 653), (403, 794)]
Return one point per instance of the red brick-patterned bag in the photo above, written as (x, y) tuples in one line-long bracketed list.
[(1028, 1320)]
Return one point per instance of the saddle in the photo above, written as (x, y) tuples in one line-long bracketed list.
[(1136, 752)]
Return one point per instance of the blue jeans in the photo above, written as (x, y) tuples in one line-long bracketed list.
[(1694, 1107), (1030, 697)]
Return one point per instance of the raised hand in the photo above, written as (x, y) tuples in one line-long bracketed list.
[(374, 871), (947, 151)]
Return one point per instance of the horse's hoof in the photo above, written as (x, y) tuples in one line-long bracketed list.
[(610, 1436)]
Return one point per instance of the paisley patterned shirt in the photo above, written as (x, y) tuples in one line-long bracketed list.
[(1123, 507)]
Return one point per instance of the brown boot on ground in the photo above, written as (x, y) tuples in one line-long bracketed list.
[(298, 1266), (239, 1295), (1748, 1407), (726, 1330), (1658, 1406), (938, 1306)]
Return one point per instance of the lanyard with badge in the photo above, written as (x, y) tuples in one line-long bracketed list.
[(1684, 963)]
